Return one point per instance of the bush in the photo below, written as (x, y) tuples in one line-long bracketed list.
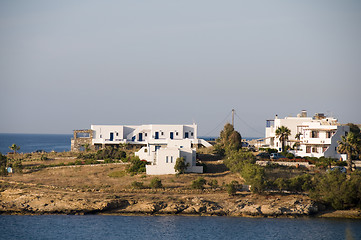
[(137, 185), (156, 183), (232, 188), (136, 165), (213, 183), (117, 174), (17, 167), (3, 164), (198, 183), (338, 190), (180, 166)]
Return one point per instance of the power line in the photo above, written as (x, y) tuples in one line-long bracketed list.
[(248, 124), (208, 134)]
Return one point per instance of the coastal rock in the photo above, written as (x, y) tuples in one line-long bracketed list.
[(50, 202)]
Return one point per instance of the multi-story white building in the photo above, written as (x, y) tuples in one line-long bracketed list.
[(317, 136), (142, 134), (162, 158)]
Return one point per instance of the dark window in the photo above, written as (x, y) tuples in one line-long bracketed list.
[(192, 134), (308, 149), (314, 134)]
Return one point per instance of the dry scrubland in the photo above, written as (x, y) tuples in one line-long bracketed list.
[(106, 188)]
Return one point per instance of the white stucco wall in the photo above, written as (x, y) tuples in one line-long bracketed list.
[(165, 157), (142, 133)]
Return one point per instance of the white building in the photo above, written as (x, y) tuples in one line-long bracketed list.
[(163, 157), (143, 134), (318, 135)]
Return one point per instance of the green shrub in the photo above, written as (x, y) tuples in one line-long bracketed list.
[(156, 183), (180, 165), (17, 166), (136, 165), (213, 183), (3, 165), (198, 183), (232, 188), (137, 185), (117, 174), (338, 190)]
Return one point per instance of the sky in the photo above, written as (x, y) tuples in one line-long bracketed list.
[(65, 65)]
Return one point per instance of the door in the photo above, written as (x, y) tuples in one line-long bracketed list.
[(140, 137), (186, 135), (156, 135), (171, 135), (111, 137)]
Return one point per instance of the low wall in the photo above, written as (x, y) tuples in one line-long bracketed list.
[(288, 164)]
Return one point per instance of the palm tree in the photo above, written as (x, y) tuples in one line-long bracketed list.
[(349, 144), (297, 137), (282, 133), (15, 148)]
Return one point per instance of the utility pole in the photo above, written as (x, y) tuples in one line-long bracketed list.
[(233, 118)]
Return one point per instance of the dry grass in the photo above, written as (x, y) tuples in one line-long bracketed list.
[(110, 178)]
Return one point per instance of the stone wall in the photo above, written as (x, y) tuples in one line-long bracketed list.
[(80, 139)]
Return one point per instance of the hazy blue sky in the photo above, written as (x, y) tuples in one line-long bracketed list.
[(65, 65)]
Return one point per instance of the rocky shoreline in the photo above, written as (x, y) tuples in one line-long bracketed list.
[(19, 201)]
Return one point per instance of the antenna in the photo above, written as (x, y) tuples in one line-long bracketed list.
[(233, 118)]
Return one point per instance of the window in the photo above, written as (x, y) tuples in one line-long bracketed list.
[(100, 136), (328, 134), (162, 133), (314, 150), (166, 159), (324, 149), (145, 150), (192, 134), (117, 134), (314, 134), (308, 149), (176, 133), (145, 134), (171, 159)]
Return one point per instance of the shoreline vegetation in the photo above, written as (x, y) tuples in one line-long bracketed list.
[(112, 181)]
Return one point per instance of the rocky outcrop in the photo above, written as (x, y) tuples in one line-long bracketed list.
[(52, 202)]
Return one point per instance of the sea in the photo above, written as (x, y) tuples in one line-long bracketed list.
[(43, 142), (174, 227), (33, 142)]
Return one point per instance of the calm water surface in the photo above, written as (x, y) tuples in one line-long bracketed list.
[(174, 227), (32, 142)]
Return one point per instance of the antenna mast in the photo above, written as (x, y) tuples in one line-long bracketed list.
[(233, 118)]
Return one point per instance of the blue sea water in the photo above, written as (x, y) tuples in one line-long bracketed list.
[(174, 227), (32, 142)]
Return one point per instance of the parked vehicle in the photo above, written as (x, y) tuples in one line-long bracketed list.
[(337, 168), (263, 155), (276, 156)]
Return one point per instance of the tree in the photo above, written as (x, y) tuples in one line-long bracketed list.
[(349, 144), (3, 164), (228, 141), (15, 148), (282, 133), (180, 165)]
